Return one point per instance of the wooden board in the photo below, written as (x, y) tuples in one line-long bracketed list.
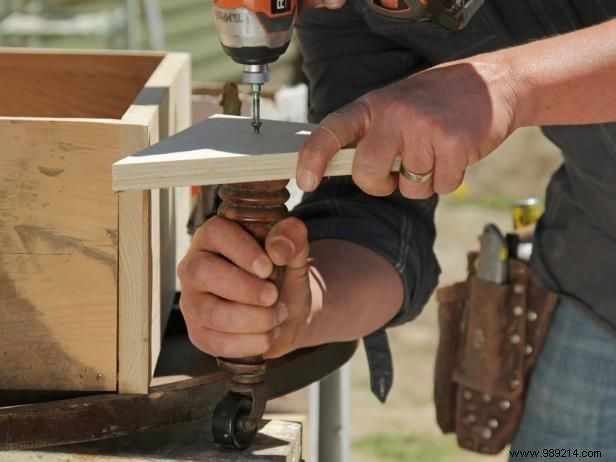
[(277, 440), (59, 218), (223, 149), (187, 387), (58, 255), (174, 115), (147, 229), (59, 84)]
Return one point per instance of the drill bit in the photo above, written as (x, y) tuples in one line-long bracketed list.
[(256, 107)]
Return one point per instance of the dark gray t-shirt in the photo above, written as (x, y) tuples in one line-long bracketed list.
[(352, 51)]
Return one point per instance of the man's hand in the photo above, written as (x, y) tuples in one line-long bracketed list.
[(442, 120), (230, 307)]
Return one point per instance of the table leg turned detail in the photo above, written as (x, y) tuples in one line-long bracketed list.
[(256, 207)]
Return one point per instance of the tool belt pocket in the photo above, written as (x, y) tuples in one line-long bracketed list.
[(490, 338)]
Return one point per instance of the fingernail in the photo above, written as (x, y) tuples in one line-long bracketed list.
[(262, 267), (306, 181), (283, 247), (282, 314), (333, 3), (269, 295), (276, 332)]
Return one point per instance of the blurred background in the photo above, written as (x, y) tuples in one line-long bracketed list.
[(404, 429), (172, 25)]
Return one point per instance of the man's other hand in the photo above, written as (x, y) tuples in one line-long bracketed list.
[(230, 307), (440, 120)]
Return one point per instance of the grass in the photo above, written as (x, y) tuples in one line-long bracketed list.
[(398, 447), (463, 197)]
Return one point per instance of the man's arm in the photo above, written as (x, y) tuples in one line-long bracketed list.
[(451, 116), (568, 79), (355, 292)]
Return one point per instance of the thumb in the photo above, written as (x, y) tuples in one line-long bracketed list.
[(287, 244), (339, 129)]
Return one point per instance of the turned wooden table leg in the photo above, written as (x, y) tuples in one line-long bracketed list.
[(256, 207)]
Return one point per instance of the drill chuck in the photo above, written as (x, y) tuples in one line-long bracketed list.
[(255, 74)]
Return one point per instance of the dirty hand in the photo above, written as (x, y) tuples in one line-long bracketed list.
[(440, 120), (231, 309)]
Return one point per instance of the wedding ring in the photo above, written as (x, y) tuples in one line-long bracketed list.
[(415, 177)]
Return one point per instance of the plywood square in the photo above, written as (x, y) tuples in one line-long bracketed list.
[(222, 149)]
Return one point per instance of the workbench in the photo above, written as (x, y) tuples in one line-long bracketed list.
[(277, 440)]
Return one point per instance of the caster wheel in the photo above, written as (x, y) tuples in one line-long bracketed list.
[(228, 422)]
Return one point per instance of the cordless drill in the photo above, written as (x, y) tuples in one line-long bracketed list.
[(255, 33)]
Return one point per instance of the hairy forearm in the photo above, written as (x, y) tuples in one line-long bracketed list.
[(567, 79), (355, 291)]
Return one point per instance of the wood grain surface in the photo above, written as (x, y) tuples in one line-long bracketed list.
[(70, 85), (147, 228), (277, 440), (65, 117), (58, 255)]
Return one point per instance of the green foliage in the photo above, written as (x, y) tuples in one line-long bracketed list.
[(499, 202), (393, 447)]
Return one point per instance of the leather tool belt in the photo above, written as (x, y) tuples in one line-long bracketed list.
[(490, 338)]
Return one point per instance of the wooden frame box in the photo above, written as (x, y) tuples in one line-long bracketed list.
[(86, 275)]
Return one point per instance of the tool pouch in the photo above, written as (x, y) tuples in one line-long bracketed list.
[(490, 338)]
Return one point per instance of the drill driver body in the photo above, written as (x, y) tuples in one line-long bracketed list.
[(255, 33)]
